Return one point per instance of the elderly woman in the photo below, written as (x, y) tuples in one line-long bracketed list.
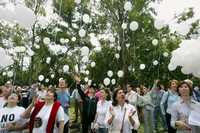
[(10, 116), (47, 116), (122, 117), (181, 110)]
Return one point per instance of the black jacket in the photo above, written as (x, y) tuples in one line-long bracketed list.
[(89, 106)]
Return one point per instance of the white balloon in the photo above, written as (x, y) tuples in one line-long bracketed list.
[(142, 66), (48, 60), (37, 39), (19, 49), (85, 59), (185, 71), (164, 40), (66, 40), (82, 33), (4, 73), (128, 45), (47, 80), (41, 78), (113, 81), (77, 1), (69, 53), (6, 59), (119, 48), (159, 24), (124, 26), (106, 81), (37, 46), (120, 73), (128, 6), (86, 79), (165, 54), (73, 39), (155, 42), (52, 76), (89, 82), (87, 72), (46, 40), (93, 64), (85, 51), (65, 68), (171, 67), (86, 18), (62, 40), (155, 62), (10, 74), (110, 73), (18, 13), (117, 56), (133, 26)]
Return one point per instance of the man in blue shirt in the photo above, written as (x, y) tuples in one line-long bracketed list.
[(64, 98)]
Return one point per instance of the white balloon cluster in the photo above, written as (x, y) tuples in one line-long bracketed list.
[(17, 13), (187, 56), (6, 60)]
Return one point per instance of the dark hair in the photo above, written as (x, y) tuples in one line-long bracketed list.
[(54, 93), (114, 103), (107, 91), (183, 82)]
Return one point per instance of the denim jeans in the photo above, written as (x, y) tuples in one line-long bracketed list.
[(102, 130), (156, 114)]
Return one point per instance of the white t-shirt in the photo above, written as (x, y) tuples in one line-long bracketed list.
[(119, 114), (44, 116), (11, 115), (2, 102), (102, 109)]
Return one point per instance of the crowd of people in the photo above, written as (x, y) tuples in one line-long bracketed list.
[(39, 109)]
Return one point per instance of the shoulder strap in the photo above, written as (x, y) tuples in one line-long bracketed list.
[(121, 131), (38, 107), (52, 118)]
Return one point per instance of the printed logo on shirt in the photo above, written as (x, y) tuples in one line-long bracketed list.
[(37, 122), (6, 118)]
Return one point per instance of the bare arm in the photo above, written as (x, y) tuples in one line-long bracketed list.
[(61, 127)]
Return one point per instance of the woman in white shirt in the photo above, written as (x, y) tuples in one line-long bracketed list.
[(182, 109), (47, 116), (122, 117), (10, 116), (102, 108)]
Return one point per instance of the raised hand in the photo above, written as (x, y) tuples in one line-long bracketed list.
[(77, 78), (111, 111), (131, 113)]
